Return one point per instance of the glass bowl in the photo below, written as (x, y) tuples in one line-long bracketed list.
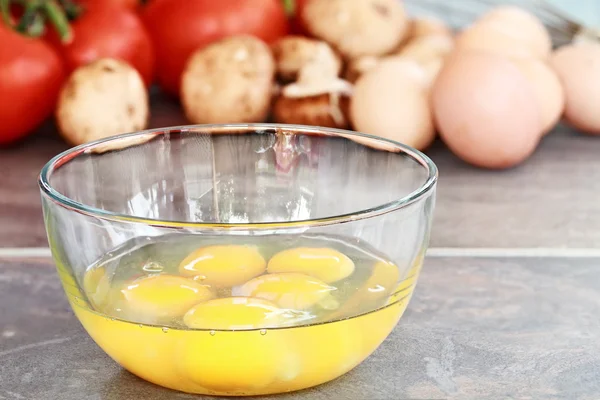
[(239, 259)]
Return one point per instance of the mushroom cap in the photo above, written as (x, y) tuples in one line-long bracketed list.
[(230, 81), (357, 27), (104, 98), (293, 53), (328, 110)]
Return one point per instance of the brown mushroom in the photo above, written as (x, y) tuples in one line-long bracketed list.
[(292, 53), (104, 98), (317, 98), (357, 27), (230, 81), (327, 109)]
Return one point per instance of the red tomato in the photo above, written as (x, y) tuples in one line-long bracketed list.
[(31, 75), (297, 26), (105, 30), (180, 27), (130, 4)]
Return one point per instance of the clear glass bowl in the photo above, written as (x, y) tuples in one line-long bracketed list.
[(339, 220)]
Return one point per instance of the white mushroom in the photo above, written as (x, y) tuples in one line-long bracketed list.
[(101, 99), (319, 97), (357, 27), (293, 53), (230, 81)]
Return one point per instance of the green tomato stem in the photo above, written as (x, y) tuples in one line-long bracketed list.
[(35, 15), (5, 10), (290, 7), (73, 10), (59, 20), (31, 23), (29, 17)]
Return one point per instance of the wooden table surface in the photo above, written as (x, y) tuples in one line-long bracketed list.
[(504, 309)]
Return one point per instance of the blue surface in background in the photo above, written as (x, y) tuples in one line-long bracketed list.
[(585, 11)]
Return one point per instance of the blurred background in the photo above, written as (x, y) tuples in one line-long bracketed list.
[(586, 11)]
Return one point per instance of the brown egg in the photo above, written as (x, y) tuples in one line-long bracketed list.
[(548, 90), (523, 26), (390, 101), (486, 110), (578, 67), (488, 38)]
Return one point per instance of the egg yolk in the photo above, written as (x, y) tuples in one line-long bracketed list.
[(224, 266), (404, 289), (290, 290), (148, 352), (96, 285), (236, 361), (327, 264), (381, 283), (234, 313), (330, 350), (157, 297)]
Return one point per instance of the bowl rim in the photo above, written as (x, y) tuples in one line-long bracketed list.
[(66, 156)]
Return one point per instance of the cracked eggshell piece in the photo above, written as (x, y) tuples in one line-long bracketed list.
[(357, 28), (391, 101), (104, 98), (293, 53), (230, 81)]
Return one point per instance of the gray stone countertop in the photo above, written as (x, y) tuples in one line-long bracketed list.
[(507, 306)]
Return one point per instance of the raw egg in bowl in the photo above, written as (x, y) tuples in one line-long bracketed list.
[(197, 262)]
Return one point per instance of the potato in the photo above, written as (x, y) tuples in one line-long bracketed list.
[(230, 81), (104, 98)]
